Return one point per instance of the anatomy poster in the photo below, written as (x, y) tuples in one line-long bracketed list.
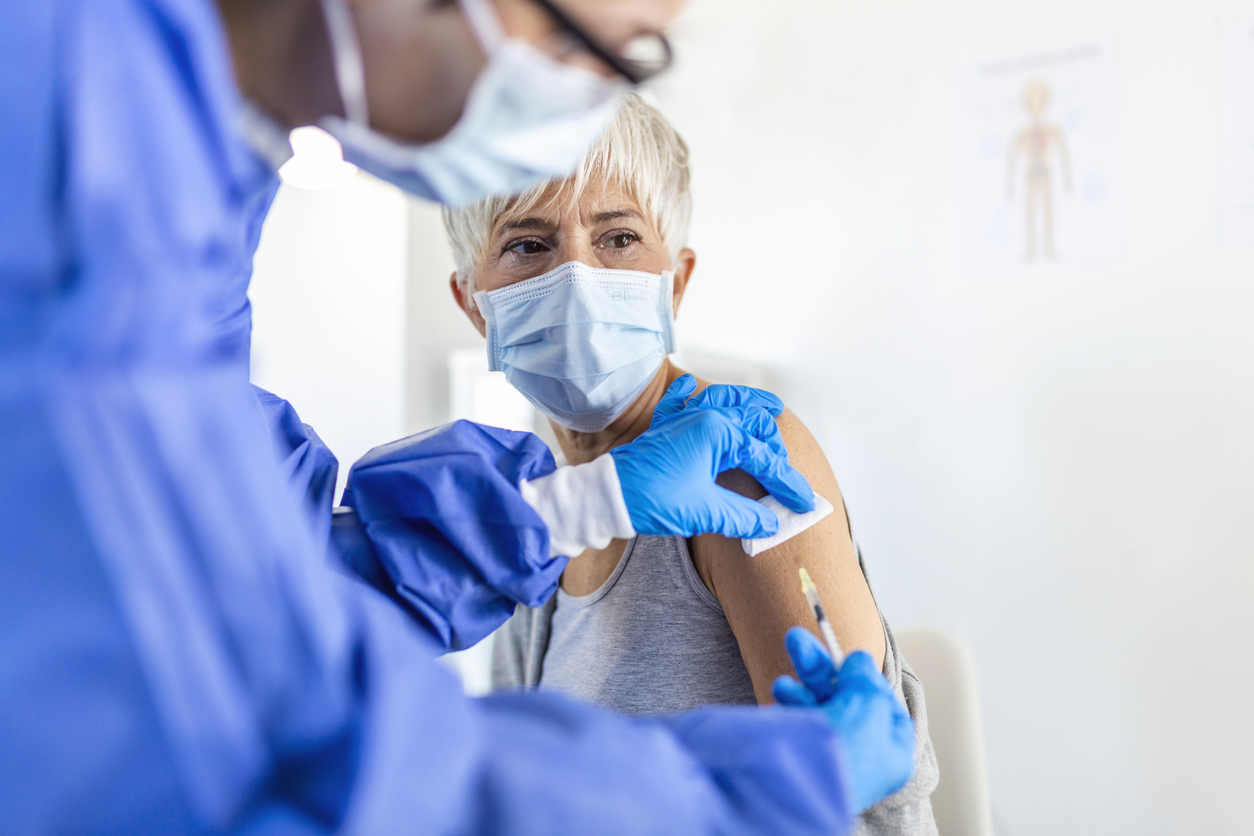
[(1237, 179), (1039, 170)]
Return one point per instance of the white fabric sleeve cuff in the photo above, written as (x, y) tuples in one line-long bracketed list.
[(582, 505)]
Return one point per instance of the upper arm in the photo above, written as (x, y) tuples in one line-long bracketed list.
[(761, 596)]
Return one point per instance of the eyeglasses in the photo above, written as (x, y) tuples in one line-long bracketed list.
[(643, 57)]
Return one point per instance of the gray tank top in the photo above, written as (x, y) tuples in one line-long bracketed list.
[(653, 639), (650, 640)]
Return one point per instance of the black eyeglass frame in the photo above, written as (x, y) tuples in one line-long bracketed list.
[(620, 65)]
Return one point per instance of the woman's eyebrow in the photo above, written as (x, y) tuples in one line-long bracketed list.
[(603, 217), (526, 223)]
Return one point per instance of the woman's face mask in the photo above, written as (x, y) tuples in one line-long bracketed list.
[(528, 118), (581, 343)]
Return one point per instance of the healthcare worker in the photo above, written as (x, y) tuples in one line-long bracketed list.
[(174, 655)]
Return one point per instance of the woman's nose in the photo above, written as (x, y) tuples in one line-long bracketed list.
[(575, 246)]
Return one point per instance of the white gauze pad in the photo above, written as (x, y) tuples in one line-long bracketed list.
[(790, 523)]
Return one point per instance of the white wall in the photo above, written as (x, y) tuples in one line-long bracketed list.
[(1056, 464), (435, 325), (329, 294)]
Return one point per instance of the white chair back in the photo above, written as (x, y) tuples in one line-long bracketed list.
[(944, 665)]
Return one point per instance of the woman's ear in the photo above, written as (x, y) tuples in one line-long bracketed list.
[(467, 304), (684, 263)]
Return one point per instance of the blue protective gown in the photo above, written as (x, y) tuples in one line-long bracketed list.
[(174, 654)]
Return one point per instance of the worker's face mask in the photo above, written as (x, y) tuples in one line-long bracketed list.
[(581, 343), (528, 118)]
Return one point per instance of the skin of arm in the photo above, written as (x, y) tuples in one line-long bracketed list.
[(761, 596)]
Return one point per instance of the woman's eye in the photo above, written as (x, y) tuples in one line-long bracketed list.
[(622, 239), (528, 247)]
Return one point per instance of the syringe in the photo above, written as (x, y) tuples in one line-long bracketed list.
[(825, 626)]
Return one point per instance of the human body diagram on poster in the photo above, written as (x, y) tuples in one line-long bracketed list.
[(1037, 144)]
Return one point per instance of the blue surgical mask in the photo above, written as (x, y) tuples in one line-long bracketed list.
[(528, 118), (579, 342)]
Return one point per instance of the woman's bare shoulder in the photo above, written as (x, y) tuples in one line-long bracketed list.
[(804, 452)]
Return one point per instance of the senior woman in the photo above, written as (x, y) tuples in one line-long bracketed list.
[(575, 284)]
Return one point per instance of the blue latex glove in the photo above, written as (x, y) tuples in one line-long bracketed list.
[(667, 474), (876, 732), (679, 398), (724, 395)]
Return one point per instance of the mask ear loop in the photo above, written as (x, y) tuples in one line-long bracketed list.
[(350, 69), (485, 22)]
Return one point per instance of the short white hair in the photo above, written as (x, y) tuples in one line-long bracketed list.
[(640, 151)]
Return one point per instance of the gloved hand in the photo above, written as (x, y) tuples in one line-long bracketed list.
[(667, 474), (876, 732), (679, 398), (722, 395)]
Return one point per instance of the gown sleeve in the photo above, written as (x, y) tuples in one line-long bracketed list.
[(434, 521), (305, 460), (459, 545)]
